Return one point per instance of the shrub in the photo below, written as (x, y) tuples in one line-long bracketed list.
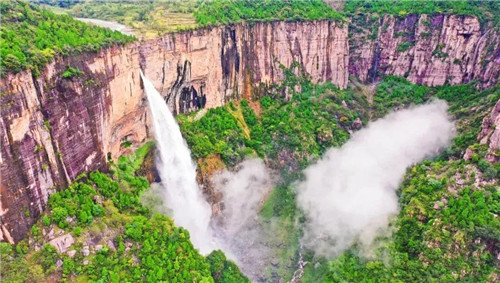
[(59, 214), (405, 46), (46, 220), (71, 72)]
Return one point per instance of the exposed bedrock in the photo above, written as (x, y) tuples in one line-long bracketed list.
[(54, 128), (426, 49)]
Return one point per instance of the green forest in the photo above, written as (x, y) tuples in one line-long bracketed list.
[(227, 11), (447, 228), (299, 128), (484, 10), (32, 37), (105, 208)]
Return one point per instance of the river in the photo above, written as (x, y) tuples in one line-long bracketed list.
[(111, 25)]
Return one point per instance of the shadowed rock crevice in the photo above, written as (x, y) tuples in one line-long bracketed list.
[(183, 96)]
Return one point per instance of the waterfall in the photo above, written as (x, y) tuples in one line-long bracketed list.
[(178, 173)]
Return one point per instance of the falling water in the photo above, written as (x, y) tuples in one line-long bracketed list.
[(178, 173)]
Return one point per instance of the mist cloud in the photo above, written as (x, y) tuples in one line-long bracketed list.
[(243, 193), (238, 229), (350, 194)]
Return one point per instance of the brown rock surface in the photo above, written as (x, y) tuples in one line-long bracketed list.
[(490, 134), (54, 128), (440, 49)]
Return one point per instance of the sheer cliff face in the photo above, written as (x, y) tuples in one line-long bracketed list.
[(54, 128), (209, 67), (490, 134), (429, 50)]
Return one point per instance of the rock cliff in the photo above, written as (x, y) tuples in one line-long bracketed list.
[(54, 128), (430, 50), (490, 134)]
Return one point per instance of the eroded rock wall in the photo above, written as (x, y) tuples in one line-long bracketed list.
[(426, 49), (54, 128), (490, 134)]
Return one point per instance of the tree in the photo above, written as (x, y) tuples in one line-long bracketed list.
[(59, 214), (12, 63)]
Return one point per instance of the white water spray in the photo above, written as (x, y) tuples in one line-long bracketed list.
[(178, 173)]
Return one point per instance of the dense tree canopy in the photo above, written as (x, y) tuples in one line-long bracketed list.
[(482, 9), (229, 11), (137, 245), (32, 36)]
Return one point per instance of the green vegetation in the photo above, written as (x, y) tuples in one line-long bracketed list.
[(292, 129), (71, 72), (147, 19), (58, 3), (126, 144), (293, 126), (288, 128), (484, 10), (136, 245), (32, 36), (446, 231), (228, 11), (405, 46), (467, 104), (224, 271)]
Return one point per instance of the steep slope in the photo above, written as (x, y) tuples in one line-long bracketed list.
[(426, 49), (82, 110), (85, 109)]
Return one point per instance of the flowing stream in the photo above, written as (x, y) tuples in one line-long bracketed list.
[(108, 24), (181, 192)]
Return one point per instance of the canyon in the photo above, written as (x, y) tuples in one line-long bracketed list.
[(426, 49), (54, 128)]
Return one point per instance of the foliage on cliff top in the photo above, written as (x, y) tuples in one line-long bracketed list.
[(233, 11), (482, 9), (136, 245), (32, 36), (58, 3)]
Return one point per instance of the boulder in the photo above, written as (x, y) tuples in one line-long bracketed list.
[(62, 243)]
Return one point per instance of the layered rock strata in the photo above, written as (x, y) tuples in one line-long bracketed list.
[(54, 128), (426, 49)]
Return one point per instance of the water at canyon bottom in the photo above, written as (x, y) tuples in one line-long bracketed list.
[(177, 171)]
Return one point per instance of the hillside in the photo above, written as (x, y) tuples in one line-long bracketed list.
[(238, 141), (32, 37)]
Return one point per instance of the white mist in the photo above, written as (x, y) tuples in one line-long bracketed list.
[(350, 194), (181, 192)]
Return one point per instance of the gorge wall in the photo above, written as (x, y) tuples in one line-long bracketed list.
[(426, 49), (54, 128)]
